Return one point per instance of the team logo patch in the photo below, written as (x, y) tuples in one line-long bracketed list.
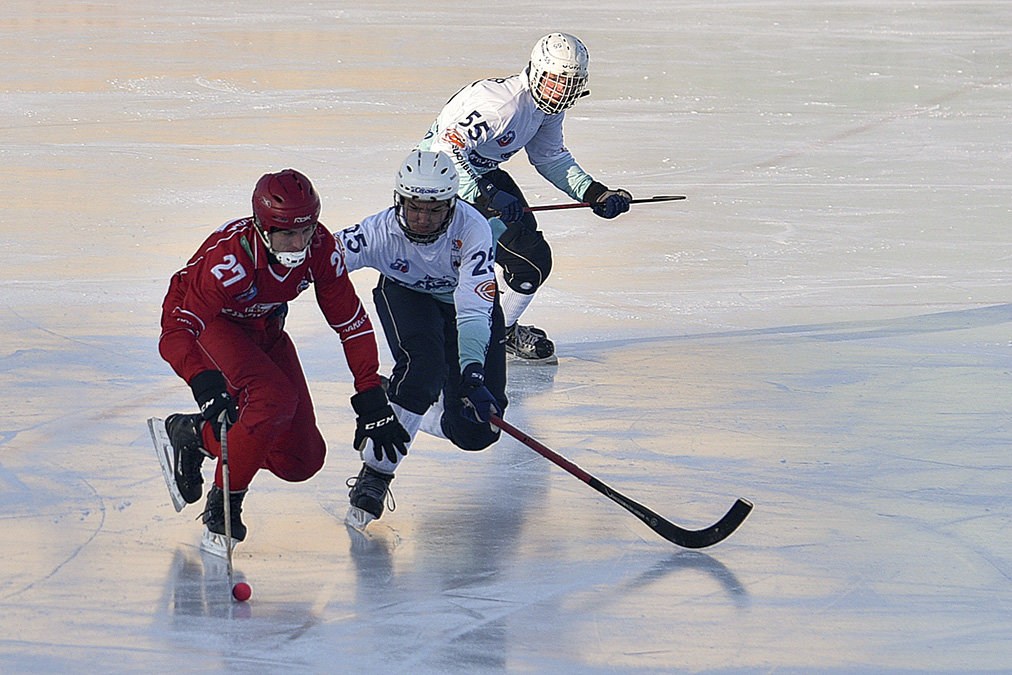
[(506, 139), (400, 265), (486, 290), (453, 137)]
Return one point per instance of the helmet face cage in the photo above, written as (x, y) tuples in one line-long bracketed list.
[(557, 73), (426, 177), (285, 201)]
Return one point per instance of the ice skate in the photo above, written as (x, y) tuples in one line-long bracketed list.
[(188, 454), (529, 344), (180, 452), (213, 540), (369, 491)]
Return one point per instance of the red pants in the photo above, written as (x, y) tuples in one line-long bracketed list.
[(276, 429)]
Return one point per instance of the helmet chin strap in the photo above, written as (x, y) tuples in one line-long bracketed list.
[(286, 258), (290, 258)]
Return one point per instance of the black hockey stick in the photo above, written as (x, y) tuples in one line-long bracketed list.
[(578, 205), (708, 536)]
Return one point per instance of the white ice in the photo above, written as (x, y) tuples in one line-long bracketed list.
[(821, 327)]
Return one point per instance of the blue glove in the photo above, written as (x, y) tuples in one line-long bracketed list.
[(606, 203), (479, 404), (212, 396), (509, 207)]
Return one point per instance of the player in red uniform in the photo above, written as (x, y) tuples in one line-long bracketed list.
[(223, 333)]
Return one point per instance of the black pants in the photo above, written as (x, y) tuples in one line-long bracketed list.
[(523, 253), (421, 332)]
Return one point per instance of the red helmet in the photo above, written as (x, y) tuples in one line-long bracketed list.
[(285, 200)]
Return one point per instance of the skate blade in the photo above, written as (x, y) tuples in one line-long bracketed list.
[(163, 449), (552, 360), (214, 544), (357, 518)]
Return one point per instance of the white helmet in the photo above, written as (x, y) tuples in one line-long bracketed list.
[(426, 177), (563, 56)]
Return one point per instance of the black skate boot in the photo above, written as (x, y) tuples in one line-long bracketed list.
[(368, 493), (529, 343), (188, 454), (214, 520)]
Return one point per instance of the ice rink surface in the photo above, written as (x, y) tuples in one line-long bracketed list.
[(822, 327)]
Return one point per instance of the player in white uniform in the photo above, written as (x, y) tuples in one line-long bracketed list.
[(436, 298), (489, 121)]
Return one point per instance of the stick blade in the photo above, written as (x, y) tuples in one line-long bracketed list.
[(657, 198), (708, 536)]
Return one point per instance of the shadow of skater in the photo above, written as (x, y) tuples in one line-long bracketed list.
[(198, 587), (370, 551), (457, 569), (526, 381)]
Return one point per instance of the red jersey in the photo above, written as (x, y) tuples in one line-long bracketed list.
[(231, 276)]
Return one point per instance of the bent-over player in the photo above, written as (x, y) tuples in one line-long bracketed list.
[(436, 298), (223, 333), (486, 123)]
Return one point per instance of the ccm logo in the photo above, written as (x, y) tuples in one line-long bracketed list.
[(378, 423)]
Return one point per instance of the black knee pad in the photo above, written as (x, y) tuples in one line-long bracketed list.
[(526, 260), (470, 436)]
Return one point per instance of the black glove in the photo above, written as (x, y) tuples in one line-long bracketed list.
[(479, 404), (606, 203), (376, 420), (509, 207), (212, 396)]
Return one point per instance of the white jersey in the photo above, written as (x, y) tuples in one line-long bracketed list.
[(458, 268), (489, 121)]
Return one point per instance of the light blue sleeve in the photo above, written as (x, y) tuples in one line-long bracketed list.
[(475, 292), (548, 154), (565, 174), (473, 334), (497, 226)]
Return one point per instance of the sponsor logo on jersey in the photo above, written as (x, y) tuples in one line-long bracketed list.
[(303, 285), (506, 139), (254, 311), (453, 137), (248, 294), (400, 265), (486, 290), (431, 283), (355, 325), (483, 162)]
